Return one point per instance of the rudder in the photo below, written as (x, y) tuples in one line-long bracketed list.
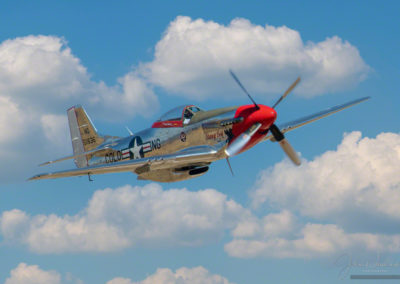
[(84, 136)]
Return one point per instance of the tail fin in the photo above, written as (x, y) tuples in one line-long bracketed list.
[(84, 136)]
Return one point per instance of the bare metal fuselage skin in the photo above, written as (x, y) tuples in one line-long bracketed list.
[(204, 128)]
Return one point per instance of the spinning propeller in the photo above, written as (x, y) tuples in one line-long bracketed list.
[(240, 142)]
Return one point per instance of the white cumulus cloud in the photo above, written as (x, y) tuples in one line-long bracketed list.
[(354, 191), (55, 128), (11, 120), (32, 274), (40, 78), (357, 185), (126, 217), (273, 224), (193, 58), (151, 217), (41, 73), (313, 240), (183, 275)]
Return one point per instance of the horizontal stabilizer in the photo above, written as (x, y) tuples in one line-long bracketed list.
[(92, 152)]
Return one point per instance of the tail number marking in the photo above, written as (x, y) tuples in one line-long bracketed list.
[(90, 140)]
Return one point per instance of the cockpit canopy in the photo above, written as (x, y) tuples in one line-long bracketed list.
[(177, 116)]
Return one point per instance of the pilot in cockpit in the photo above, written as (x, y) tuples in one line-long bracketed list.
[(188, 114)]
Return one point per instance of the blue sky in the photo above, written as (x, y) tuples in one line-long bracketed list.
[(129, 62)]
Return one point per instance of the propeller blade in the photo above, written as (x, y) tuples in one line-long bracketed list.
[(287, 91), (243, 88), (290, 152), (285, 145), (229, 165), (236, 146)]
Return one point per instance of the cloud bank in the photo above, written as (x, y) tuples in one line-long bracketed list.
[(126, 217), (193, 57), (33, 274), (40, 78), (356, 187), (40, 73), (357, 180), (183, 275), (280, 239)]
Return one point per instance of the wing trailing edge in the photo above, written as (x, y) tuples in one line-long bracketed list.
[(191, 155)]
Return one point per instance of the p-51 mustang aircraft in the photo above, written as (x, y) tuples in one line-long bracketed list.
[(183, 142)]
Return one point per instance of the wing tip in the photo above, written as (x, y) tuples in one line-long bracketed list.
[(33, 178), (39, 176), (356, 101), (365, 98)]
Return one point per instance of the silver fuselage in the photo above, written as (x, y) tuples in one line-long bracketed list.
[(203, 129)]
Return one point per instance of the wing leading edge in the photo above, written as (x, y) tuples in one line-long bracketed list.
[(291, 125), (191, 155)]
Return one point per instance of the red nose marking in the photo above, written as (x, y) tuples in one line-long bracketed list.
[(251, 115)]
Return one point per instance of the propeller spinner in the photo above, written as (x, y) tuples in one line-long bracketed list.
[(238, 144)]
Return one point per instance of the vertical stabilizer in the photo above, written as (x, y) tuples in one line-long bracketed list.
[(84, 136)]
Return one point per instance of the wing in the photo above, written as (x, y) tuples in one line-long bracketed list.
[(291, 125), (191, 155)]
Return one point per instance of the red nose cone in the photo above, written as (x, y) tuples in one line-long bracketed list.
[(267, 116), (271, 113), (252, 115), (264, 115)]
